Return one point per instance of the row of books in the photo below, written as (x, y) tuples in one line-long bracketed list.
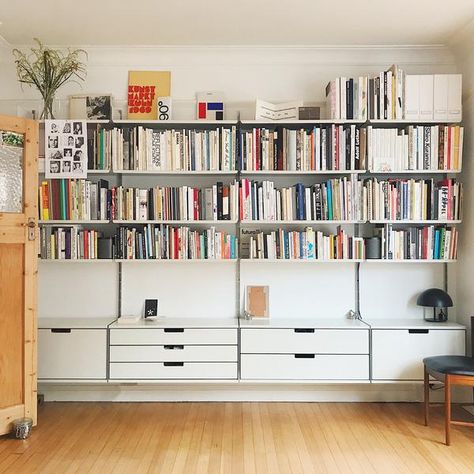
[(334, 199), (308, 244), (409, 199), (74, 199), (332, 147), (346, 98), (140, 148), (218, 202), (164, 242), (394, 95), (425, 243), (416, 148), (70, 243), (99, 154)]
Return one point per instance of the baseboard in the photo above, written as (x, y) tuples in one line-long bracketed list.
[(233, 392)]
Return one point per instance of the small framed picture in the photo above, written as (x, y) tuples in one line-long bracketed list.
[(90, 107)]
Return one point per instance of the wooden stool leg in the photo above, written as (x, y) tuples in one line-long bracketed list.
[(427, 396), (447, 405)]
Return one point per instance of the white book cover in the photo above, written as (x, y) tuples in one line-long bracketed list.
[(412, 101), (426, 96), (455, 97), (291, 150), (275, 112), (343, 99), (440, 97)]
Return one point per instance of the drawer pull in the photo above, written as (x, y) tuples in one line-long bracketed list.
[(304, 356), (61, 330), (173, 364), (304, 330), (174, 348), (174, 329), (418, 331)]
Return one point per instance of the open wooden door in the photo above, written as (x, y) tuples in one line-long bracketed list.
[(18, 269)]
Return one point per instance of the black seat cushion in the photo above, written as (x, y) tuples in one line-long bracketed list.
[(456, 365)]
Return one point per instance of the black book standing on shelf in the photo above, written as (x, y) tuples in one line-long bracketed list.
[(220, 198)]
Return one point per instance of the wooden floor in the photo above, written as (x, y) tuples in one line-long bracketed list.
[(237, 437)]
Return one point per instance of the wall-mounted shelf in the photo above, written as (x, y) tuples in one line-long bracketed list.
[(414, 222), (58, 222), (299, 173), (171, 261), (313, 261), (77, 260), (177, 222), (176, 173), (299, 222), (423, 172)]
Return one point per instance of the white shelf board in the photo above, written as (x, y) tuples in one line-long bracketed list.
[(88, 121), (313, 261), (275, 123), (300, 322), (88, 172), (419, 260), (178, 222), (77, 260), (440, 222), (414, 172), (300, 173), (176, 173), (60, 222), (408, 122), (176, 122), (75, 322), (404, 323), (171, 261), (178, 322), (302, 382), (299, 222)]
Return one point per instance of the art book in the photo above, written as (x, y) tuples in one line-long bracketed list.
[(144, 88), (65, 149)]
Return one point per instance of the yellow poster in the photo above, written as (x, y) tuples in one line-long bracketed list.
[(144, 87)]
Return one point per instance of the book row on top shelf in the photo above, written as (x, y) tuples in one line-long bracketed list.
[(322, 148), (164, 242), (338, 199)]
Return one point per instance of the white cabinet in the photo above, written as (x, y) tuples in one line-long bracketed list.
[(72, 350), (398, 352), (174, 349), (304, 350)]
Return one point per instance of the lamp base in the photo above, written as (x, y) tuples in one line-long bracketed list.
[(433, 320)]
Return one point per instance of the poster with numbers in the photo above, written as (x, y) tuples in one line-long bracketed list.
[(65, 143)]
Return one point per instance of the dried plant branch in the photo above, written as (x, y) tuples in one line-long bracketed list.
[(48, 69)]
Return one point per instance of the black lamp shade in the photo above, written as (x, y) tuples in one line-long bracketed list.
[(434, 298)]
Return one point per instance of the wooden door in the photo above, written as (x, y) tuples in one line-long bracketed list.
[(18, 269)]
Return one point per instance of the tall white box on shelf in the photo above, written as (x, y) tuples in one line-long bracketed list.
[(454, 97), (440, 97), (426, 83), (412, 97)]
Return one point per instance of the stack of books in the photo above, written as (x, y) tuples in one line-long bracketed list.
[(409, 199), (219, 202), (306, 245), (146, 149), (68, 243), (334, 199), (163, 242), (74, 199), (432, 148), (346, 98), (333, 147), (99, 153), (419, 243)]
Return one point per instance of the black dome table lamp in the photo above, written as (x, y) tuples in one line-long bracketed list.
[(437, 299)]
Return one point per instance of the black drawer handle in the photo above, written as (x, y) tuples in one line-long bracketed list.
[(61, 330), (173, 348), (304, 330), (305, 356), (418, 331), (173, 364), (174, 330)]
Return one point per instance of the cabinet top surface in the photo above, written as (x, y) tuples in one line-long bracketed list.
[(291, 323), (411, 324), (176, 322), (75, 323)]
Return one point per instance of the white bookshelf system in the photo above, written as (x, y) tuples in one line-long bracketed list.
[(308, 290)]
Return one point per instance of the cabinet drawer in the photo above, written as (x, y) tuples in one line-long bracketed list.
[(72, 353), (291, 341), (168, 336), (291, 367), (173, 353), (171, 370), (398, 354)]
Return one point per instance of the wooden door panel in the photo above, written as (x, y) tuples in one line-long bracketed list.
[(11, 322)]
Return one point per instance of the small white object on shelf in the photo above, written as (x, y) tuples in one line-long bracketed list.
[(129, 319)]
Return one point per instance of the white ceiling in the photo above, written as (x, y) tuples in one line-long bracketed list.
[(237, 22)]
